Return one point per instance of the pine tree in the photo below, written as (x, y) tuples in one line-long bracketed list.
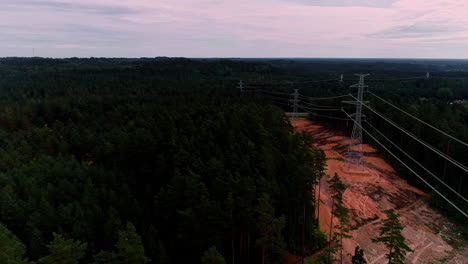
[(212, 256), (130, 248), (358, 257), (12, 251), (342, 227), (269, 227), (390, 235), (64, 251), (337, 188)]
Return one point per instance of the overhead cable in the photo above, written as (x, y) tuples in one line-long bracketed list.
[(415, 161), (418, 119), (319, 109), (440, 153), (330, 117), (409, 168)]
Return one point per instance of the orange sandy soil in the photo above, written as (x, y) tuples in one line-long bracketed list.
[(372, 189)]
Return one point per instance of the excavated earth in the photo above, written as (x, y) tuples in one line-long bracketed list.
[(372, 189)]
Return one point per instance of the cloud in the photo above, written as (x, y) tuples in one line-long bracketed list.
[(61, 6), (417, 30), (427, 23), (241, 28), (347, 3)]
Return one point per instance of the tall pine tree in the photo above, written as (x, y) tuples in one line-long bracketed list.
[(390, 235), (270, 227), (337, 188)]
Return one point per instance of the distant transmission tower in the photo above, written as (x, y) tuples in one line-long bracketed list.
[(241, 87), (295, 101), (355, 154)]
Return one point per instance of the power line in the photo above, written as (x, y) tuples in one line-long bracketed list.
[(267, 96), (414, 160), (316, 81), (409, 168), (340, 79), (318, 109), (331, 117), (445, 156), (291, 82), (268, 83), (324, 98), (453, 78), (323, 106), (400, 79), (427, 124), (274, 100), (272, 92)]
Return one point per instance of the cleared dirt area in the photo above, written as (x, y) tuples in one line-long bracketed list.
[(373, 188)]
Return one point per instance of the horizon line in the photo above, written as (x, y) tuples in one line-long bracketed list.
[(236, 58)]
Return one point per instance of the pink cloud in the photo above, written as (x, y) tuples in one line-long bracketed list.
[(241, 28)]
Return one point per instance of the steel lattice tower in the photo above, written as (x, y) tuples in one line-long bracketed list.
[(295, 101), (241, 87), (355, 154)]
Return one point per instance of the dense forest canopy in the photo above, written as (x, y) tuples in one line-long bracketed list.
[(162, 151), (159, 160)]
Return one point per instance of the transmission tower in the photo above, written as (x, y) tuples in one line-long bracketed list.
[(241, 87), (295, 101), (354, 152)]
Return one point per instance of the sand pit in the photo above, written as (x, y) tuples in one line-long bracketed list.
[(372, 189)]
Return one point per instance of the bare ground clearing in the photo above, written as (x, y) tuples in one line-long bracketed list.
[(370, 191)]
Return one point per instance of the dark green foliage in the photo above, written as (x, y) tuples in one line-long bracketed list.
[(270, 227), (88, 145), (64, 251), (166, 144), (337, 188), (390, 235), (129, 247), (212, 256), (12, 251), (358, 257)]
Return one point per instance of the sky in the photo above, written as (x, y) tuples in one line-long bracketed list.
[(235, 28)]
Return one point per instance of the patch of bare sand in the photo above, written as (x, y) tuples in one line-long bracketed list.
[(372, 189), (419, 222), (365, 148), (328, 146), (379, 163)]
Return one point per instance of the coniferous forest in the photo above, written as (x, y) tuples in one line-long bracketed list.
[(135, 161), (161, 161)]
